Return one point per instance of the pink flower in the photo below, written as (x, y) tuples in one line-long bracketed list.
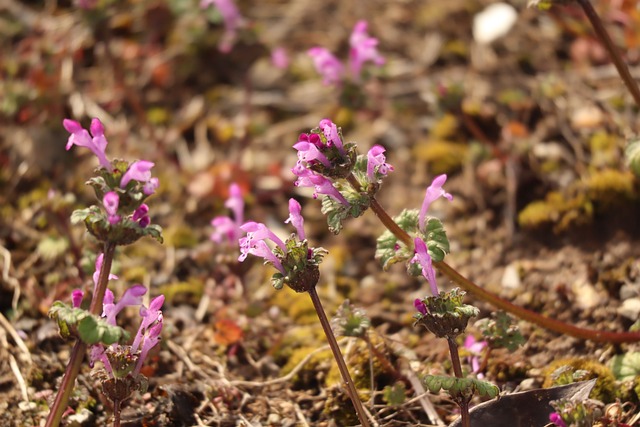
[(327, 65), (140, 170), (96, 142), (363, 49), (232, 21), (224, 226), (330, 131), (433, 193), (423, 258), (295, 218), (476, 348), (111, 200), (420, 306), (376, 163), (132, 296), (149, 331), (280, 58), (96, 274), (141, 215), (76, 298)]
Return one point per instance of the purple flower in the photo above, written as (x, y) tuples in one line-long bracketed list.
[(309, 152), (132, 296), (363, 49), (232, 21), (111, 200), (434, 191), (235, 202), (330, 131), (76, 297), (327, 65), (141, 215), (476, 348), (295, 218), (260, 249), (96, 142), (225, 227), (420, 306), (96, 273), (149, 331), (376, 163), (557, 420), (422, 257), (140, 170)]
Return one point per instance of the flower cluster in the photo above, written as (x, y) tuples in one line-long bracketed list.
[(122, 188), (232, 19), (297, 264), (363, 48), (227, 228)]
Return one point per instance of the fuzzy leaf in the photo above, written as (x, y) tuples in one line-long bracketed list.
[(89, 328), (436, 239), (626, 366)]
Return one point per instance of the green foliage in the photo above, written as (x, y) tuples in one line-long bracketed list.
[(625, 366), (336, 212), (125, 232), (632, 156), (460, 387), (395, 395), (501, 332), (87, 327), (350, 321), (565, 371), (447, 315)]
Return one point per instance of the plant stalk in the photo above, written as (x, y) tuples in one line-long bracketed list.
[(614, 53), (337, 354), (61, 401), (462, 402), (520, 312)]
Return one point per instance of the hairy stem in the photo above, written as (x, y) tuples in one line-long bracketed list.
[(495, 300), (80, 348), (604, 37), (457, 370), (337, 354)]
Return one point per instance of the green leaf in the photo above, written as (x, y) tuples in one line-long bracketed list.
[(89, 328), (459, 387), (395, 395), (626, 366), (436, 239), (632, 155)]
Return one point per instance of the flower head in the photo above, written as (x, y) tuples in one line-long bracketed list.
[(96, 273), (434, 191), (321, 184), (363, 49), (132, 296), (76, 297), (141, 215), (95, 141), (332, 135), (376, 163), (327, 65), (557, 420), (420, 306)]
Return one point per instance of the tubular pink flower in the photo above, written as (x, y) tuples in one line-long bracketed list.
[(258, 231), (235, 203), (420, 306), (149, 331), (434, 191), (132, 296), (111, 200), (232, 21), (327, 65), (376, 163), (422, 257), (81, 137), (224, 228), (260, 249), (363, 49), (474, 347), (330, 131), (140, 170), (141, 215), (295, 218), (321, 185), (308, 152), (76, 298)]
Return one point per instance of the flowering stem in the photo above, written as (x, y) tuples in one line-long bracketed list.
[(80, 348), (457, 370), (604, 37), (337, 354), (520, 312)]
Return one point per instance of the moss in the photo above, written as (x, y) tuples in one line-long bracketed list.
[(298, 306), (180, 236), (558, 210), (605, 388), (442, 156), (312, 372), (610, 186)]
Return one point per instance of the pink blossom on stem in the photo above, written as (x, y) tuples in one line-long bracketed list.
[(140, 170), (423, 258), (330, 131), (95, 141), (327, 65), (76, 298), (111, 200), (420, 306), (376, 163), (476, 348), (224, 226), (260, 249), (308, 152), (141, 215), (132, 296), (321, 184), (295, 218), (363, 49), (433, 193), (232, 21)]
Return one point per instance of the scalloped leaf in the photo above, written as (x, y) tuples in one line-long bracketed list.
[(436, 239), (89, 328)]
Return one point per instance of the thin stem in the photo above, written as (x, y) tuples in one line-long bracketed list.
[(337, 354), (502, 304), (457, 370), (604, 37), (80, 348)]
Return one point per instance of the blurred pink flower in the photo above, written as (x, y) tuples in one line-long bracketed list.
[(280, 58), (363, 49), (327, 65), (232, 21)]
